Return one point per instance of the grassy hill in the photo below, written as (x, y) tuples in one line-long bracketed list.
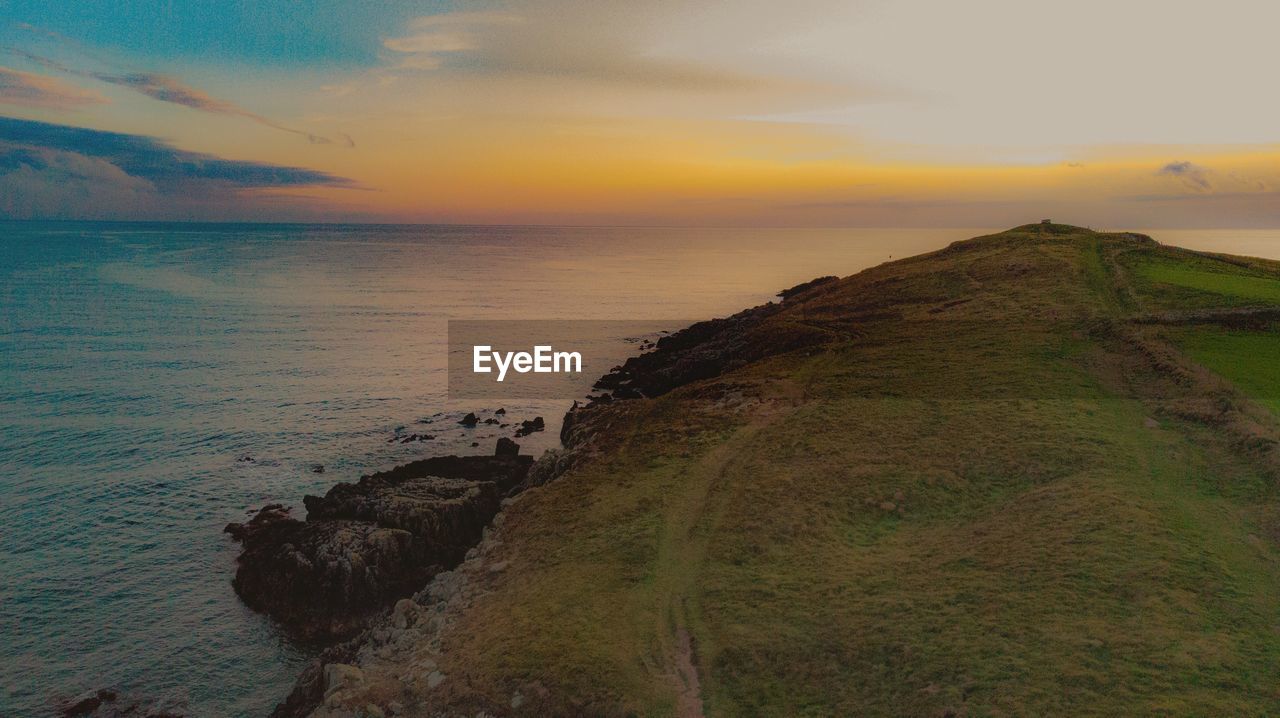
[(1033, 473)]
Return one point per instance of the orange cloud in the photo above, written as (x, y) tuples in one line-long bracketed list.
[(31, 90)]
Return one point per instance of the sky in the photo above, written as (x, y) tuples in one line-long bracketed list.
[(1116, 114)]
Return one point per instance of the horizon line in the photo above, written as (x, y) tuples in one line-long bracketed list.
[(323, 223)]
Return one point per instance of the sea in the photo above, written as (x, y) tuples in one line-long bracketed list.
[(159, 380)]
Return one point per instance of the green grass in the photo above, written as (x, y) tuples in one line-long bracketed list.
[(998, 555), (1248, 359), (1194, 282), (965, 511)]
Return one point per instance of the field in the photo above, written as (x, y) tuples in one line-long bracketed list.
[(1249, 359), (1197, 281)]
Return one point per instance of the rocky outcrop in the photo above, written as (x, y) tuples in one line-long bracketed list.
[(507, 447), (309, 689), (570, 418), (404, 643), (323, 578), (708, 349), (364, 545), (529, 426), (799, 289), (447, 515), (504, 471), (110, 703)]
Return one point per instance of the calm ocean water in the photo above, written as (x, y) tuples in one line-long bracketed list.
[(138, 362)]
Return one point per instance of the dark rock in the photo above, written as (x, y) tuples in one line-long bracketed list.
[(470, 419), (491, 420), (317, 469), (265, 516), (364, 545), (322, 578), (570, 416), (804, 287), (501, 411), (708, 349), (507, 447), (529, 426), (246, 459), (448, 514), (87, 703), (107, 703), (506, 472), (308, 690), (475, 443)]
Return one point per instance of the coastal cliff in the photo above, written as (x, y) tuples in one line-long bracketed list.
[(1031, 473)]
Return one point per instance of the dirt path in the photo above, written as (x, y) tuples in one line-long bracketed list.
[(690, 523), (689, 703)]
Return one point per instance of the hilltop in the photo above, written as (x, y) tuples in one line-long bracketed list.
[(1031, 473)]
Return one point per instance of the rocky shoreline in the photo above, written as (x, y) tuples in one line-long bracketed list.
[(385, 561), (409, 634), (364, 545), (372, 560)]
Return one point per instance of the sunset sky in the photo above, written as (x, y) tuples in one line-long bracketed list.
[(803, 113)]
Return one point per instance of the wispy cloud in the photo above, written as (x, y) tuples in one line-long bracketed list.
[(43, 165), (150, 159), (167, 88), (1191, 175), (31, 90), (543, 45), (430, 40)]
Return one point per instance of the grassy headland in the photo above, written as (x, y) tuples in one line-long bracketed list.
[(1033, 473)]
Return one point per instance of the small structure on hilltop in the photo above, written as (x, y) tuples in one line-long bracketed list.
[(1046, 221)]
